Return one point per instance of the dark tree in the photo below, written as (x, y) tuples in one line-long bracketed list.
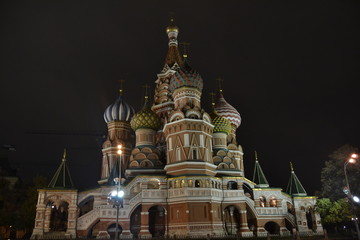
[(333, 177)]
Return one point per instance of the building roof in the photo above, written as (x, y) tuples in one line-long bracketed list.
[(294, 186), (224, 109), (62, 177), (119, 111), (220, 123), (259, 176), (186, 77), (145, 118)]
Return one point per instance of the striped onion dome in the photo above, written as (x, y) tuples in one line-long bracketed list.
[(186, 77), (146, 118), (119, 111), (220, 123), (224, 109)]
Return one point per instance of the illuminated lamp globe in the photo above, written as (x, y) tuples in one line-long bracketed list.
[(351, 160)]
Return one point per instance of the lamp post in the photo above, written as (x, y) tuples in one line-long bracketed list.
[(116, 197), (347, 191)]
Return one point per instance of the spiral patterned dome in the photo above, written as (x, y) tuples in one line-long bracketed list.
[(119, 111), (220, 123), (186, 77), (145, 118), (224, 109)]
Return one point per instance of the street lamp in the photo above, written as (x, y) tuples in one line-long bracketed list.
[(116, 197), (347, 191)]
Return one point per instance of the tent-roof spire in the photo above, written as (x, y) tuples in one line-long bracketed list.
[(294, 186), (62, 177), (259, 176)]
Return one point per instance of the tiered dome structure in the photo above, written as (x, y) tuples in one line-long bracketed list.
[(119, 111)]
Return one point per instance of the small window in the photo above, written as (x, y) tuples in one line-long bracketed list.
[(178, 154), (194, 152), (273, 202), (262, 201), (198, 183), (231, 185), (182, 183), (190, 183)]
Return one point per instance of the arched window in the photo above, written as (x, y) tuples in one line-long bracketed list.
[(194, 153), (232, 185), (182, 183), (153, 184), (198, 183), (207, 183), (178, 154), (190, 183), (262, 201), (273, 202)]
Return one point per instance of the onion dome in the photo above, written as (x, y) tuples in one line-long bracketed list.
[(186, 77), (119, 111), (172, 27), (146, 118), (220, 123), (224, 109)]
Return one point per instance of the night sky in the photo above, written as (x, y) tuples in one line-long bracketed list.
[(291, 68)]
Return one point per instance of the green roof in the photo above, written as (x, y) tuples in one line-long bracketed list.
[(62, 177), (294, 186), (259, 176)]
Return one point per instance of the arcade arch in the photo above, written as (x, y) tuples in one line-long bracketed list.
[(157, 221), (231, 220), (272, 227)]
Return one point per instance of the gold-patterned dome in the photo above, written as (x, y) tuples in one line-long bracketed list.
[(172, 27), (145, 118), (220, 123)]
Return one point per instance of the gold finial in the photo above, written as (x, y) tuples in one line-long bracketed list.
[(220, 80), (185, 46), (64, 155), (172, 27), (146, 92), (256, 156), (212, 98), (291, 167), (121, 87)]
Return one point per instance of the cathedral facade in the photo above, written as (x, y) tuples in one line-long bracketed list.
[(182, 172)]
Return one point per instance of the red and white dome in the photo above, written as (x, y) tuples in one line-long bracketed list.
[(224, 109)]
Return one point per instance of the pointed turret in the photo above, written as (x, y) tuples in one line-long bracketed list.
[(259, 176), (294, 186), (62, 177)]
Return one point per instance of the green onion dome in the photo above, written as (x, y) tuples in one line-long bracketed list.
[(220, 123), (145, 118)]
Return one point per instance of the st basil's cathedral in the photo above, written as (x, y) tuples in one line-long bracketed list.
[(181, 170)]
